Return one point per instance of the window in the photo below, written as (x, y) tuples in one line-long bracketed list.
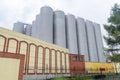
[(74, 58)]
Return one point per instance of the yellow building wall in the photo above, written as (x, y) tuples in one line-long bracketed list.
[(53, 62), (32, 59), (117, 67), (12, 46), (21, 37), (40, 59), (63, 64), (47, 60), (2, 41), (23, 50), (94, 67), (58, 62), (9, 69), (67, 63)]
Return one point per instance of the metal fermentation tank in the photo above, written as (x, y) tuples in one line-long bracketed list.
[(71, 34), (59, 29), (82, 38)]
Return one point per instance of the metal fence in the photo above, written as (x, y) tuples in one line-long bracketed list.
[(110, 77), (110, 74)]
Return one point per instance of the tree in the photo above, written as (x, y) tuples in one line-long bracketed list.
[(114, 58), (113, 30)]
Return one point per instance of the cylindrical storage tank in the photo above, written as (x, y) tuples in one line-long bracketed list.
[(82, 38), (19, 27), (46, 24), (99, 42), (59, 29), (34, 30), (92, 50), (36, 27), (28, 30), (71, 34)]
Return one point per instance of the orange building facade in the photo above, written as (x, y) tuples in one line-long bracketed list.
[(77, 64)]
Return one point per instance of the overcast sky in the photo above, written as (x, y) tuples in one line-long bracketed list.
[(26, 10)]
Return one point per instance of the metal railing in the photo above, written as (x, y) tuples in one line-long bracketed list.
[(110, 73)]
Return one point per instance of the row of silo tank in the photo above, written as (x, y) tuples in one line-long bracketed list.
[(50, 26), (22, 28), (42, 27), (76, 34), (35, 25), (91, 41)]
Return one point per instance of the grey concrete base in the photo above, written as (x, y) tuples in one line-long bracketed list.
[(43, 77)]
